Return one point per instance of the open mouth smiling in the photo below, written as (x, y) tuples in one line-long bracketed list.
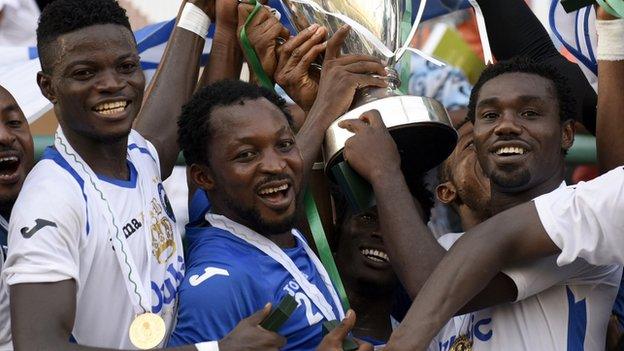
[(9, 166), (375, 255), (111, 108)]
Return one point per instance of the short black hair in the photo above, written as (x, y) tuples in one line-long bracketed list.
[(565, 97), (65, 16), (194, 125)]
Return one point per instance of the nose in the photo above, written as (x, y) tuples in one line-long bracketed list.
[(273, 163), (110, 81), (7, 138), (508, 124)]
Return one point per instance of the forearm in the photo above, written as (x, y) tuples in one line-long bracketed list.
[(514, 236), (412, 248), (310, 137), (226, 57), (172, 86), (610, 124)]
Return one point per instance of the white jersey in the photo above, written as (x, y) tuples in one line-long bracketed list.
[(587, 220), (5, 313), (18, 22), (557, 309), (56, 233)]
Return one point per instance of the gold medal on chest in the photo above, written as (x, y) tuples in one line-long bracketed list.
[(462, 343), (147, 331)]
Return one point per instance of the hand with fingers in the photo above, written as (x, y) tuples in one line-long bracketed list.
[(263, 32), (333, 340), (342, 75), (371, 152), (294, 72), (249, 335)]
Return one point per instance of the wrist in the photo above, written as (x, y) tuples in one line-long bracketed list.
[(194, 19), (383, 177)]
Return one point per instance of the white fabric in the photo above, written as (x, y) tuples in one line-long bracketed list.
[(104, 309), (207, 346), (18, 22), (549, 310), (586, 220), (5, 313), (194, 20), (610, 43)]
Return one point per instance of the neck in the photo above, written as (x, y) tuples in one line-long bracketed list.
[(5, 210), (283, 240), (469, 218), (373, 318), (104, 158), (503, 199)]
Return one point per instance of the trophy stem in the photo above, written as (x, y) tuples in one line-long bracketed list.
[(370, 94)]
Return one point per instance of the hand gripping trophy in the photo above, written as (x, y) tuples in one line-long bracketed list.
[(420, 126)]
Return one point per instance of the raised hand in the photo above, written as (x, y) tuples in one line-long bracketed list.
[(333, 340), (371, 151), (249, 335), (263, 32), (295, 58), (341, 76)]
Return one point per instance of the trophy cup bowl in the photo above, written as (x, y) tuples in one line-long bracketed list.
[(420, 126)]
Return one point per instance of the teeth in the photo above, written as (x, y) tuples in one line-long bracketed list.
[(273, 190), (510, 150), (9, 159), (110, 108), (375, 255)]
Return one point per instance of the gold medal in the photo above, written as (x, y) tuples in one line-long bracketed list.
[(147, 331), (462, 343)]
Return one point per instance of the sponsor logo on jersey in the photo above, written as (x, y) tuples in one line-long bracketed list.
[(132, 226), (27, 233), (161, 230), (209, 272), (166, 293), (164, 201)]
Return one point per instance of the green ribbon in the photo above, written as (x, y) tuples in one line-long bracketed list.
[(312, 213), (607, 7), (250, 53)]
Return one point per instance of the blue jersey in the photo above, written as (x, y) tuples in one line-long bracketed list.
[(228, 280)]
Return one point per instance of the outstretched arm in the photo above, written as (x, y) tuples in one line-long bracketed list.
[(172, 85), (513, 236)]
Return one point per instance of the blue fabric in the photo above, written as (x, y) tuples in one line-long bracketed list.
[(577, 322), (198, 207), (212, 305)]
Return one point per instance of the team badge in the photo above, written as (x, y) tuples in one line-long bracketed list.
[(164, 201), (462, 343)]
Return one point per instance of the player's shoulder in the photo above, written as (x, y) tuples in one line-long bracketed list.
[(140, 146), (52, 178)]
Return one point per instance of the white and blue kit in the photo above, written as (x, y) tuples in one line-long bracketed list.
[(58, 232), (557, 308), (228, 279)]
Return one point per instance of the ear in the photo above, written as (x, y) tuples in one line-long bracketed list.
[(567, 134), (446, 193), (202, 176), (45, 85)]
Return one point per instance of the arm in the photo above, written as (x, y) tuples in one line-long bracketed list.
[(610, 126), (412, 248), (513, 236), (171, 87), (226, 57)]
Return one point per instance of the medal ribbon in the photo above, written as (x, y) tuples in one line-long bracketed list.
[(270, 249), (140, 296)]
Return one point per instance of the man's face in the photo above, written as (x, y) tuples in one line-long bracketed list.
[(517, 131), (96, 83), (16, 148), (255, 165), (361, 255), (472, 187)]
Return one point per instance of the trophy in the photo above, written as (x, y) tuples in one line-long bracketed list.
[(420, 126)]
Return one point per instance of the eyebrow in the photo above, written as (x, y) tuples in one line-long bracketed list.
[(250, 138), (10, 108), (522, 98), (91, 62)]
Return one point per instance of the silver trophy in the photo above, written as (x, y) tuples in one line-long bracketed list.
[(420, 126)]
